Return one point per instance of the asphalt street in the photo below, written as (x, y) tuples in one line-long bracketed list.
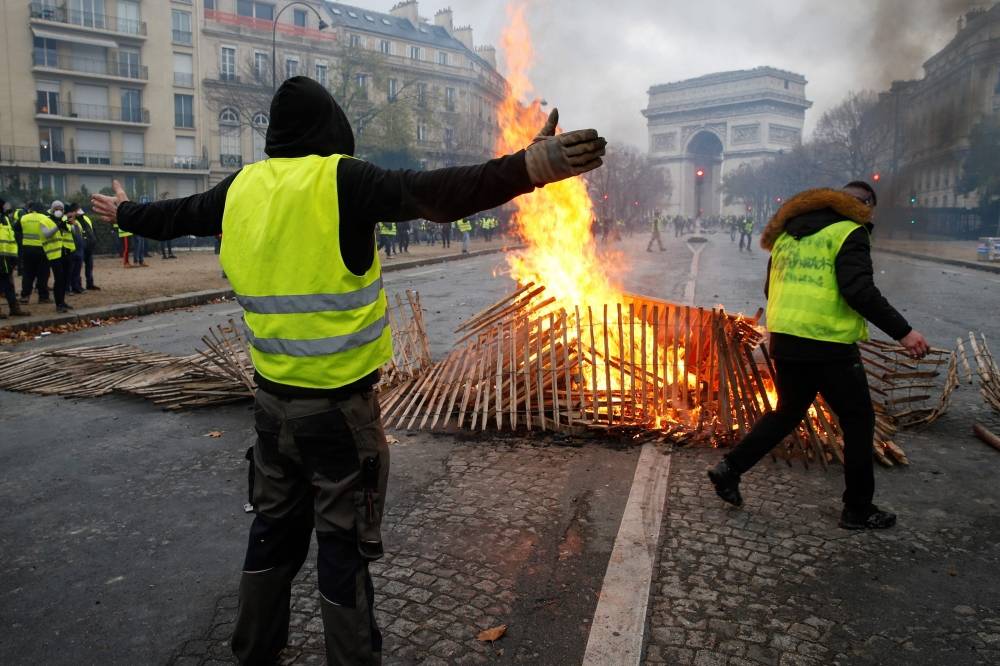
[(123, 529)]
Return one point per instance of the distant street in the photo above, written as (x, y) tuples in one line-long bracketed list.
[(124, 529)]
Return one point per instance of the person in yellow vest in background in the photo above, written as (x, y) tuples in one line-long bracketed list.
[(464, 228), (123, 239), (386, 237), (746, 233), (820, 293), (74, 262), (62, 264), (89, 245), (300, 253), (34, 255), (8, 262)]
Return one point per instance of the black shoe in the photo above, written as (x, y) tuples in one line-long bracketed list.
[(93, 288), (78, 291), (62, 309), (23, 300), (727, 483), (870, 518)]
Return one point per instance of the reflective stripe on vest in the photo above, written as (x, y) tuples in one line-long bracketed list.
[(66, 237), (8, 242), (122, 233), (804, 298), (31, 231), (53, 244), (310, 321)]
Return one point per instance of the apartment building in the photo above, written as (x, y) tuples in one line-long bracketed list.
[(170, 96), (84, 98)]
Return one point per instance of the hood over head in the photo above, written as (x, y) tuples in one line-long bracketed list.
[(841, 204), (306, 120)]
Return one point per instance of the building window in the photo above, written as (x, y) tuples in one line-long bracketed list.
[(184, 152), (393, 89), (45, 53), (421, 132), (299, 17), (184, 111), (93, 147), (128, 63), (261, 66), (253, 9), (422, 95), (128, 17), (385, 47), (227, 63), (183, 70), (355, 41), (291, 67), (361, 81), (321, 74), (260, 123), (50, 144), (414, 53), (54, 184), (133, 149), (442, 57), (47, 100), (180, 23), (132, 105), (89, 13), (449, 99), (449, 135), (229, 136)]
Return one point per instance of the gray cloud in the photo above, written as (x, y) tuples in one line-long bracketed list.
[(596, 59)]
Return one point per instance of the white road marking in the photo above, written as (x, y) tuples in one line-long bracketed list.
[(619, 624), (692, 273), (416, 273)]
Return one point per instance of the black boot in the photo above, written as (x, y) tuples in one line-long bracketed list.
[(869, 518), (727, 483)]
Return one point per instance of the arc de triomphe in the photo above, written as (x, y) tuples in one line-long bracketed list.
[(702, 128)]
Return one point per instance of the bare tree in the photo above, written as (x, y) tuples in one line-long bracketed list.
[(628, 187), (851, 137)]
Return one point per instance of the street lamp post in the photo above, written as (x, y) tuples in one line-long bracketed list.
[(274, 37)]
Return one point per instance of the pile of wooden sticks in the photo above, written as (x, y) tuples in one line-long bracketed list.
[(220, 373), (986, 368)]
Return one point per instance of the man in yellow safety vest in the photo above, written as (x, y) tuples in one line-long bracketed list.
[(316, 321), (820, 293), (8, 262)]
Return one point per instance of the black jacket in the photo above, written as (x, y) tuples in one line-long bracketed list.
[(305, 120), (855, 279)]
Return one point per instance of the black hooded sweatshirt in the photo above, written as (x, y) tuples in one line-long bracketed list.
[(856, 281), (306, 120)]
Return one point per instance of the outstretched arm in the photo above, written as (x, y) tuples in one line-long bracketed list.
[(197, 215)]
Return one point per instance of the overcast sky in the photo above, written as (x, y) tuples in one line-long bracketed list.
[(596, 59)]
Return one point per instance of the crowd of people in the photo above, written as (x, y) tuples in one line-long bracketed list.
[(394, 238), (39, 242)]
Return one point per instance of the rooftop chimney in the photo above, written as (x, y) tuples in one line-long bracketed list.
[(443, 18), (407, 10), (464, 35), (489, 54)]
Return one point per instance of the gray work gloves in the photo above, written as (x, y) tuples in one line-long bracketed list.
[(552, 158)]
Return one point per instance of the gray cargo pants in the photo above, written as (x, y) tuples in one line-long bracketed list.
[(322, 463)]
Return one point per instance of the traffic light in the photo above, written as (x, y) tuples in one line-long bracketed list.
[(876, 176), (913, 200), (700, 173), (777, 199)]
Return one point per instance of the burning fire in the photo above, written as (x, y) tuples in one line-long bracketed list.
[(554, 222)]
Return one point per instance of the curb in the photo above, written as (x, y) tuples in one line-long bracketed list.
[(974, 265), (153, 305)]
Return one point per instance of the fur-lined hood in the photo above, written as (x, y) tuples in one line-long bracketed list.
[(810, 201)]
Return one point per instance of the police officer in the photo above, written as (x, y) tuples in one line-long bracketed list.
[(8, 262), (820, 293), (316, 318)]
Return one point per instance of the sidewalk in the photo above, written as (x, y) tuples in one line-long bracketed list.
[(955, 253), (194, 278)]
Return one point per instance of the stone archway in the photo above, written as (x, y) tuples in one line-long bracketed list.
[(704, 159)]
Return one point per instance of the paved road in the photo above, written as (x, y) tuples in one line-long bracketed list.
[(123, 527)]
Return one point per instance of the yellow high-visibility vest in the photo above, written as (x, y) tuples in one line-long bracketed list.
[(387, 228), (804, 299), (464, 225), (8, 242), (122, 233), (66, 237), (31, 231), (312, 322)]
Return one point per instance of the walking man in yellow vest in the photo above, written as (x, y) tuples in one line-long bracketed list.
[(315, 315), (820, 293), (655, 238)]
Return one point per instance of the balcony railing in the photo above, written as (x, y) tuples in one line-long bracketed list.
[(86, 19), (52, 155), (184, 79), (231, 160), (181, 36), (93, 66), (95, 112)]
